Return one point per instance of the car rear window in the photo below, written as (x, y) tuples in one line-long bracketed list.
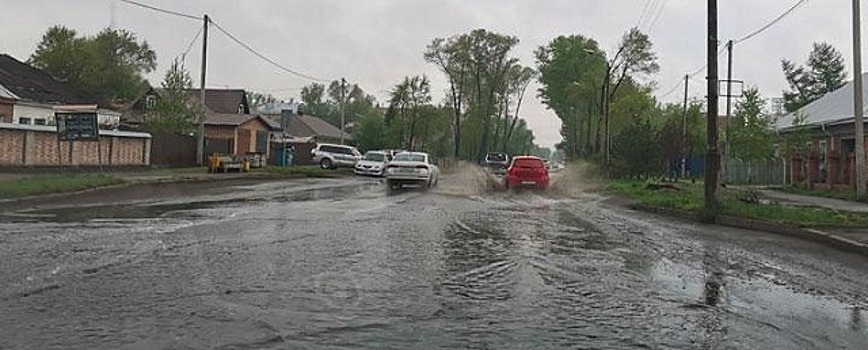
[(377, 157), (410, 158), (527, 163)]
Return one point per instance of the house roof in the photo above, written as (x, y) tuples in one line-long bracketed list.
[(223, 101), (226, 119), (31, 84), (833, 108), (308, 125)]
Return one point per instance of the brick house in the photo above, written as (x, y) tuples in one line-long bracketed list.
[(831, 162), (28, 98)]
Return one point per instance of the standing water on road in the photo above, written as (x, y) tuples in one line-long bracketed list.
[(343, 264)]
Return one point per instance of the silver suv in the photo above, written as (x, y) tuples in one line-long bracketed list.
[(330, 156)]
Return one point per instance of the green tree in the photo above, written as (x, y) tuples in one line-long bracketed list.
[(753, 136), (477, 65), (825, 72), (257, 100), (109, 66), (174, 110), (315, 101), (636, 150), (371, 133)]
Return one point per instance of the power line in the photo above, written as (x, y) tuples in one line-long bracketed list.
[(169, 12), (644, 13), (772, 23), (190, 46), (672, 90), (265, 58), (659, 13)]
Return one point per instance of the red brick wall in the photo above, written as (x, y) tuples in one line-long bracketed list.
[(6, 109), (38, 148)]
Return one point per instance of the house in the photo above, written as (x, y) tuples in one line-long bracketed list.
[(831, 161), (300, 125), (237, 133), (28, 97)]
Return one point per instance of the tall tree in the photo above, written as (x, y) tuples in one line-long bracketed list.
[(109, 66), (450, 55), (174, 110), (257, 100), (315, 101), (824, 72), (753, 136)]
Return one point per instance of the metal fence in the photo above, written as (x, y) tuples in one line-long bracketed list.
[(757, 172)]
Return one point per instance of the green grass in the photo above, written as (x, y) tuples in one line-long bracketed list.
[(690, 198), (39, 185), (834, 193), (304, 171)]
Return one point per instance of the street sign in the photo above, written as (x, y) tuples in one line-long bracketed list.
[(77, 126)]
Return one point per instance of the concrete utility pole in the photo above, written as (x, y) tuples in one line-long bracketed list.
[(343, 108), (200, 135), (712, 166), (684, 128), (857, 101), (728, 147)]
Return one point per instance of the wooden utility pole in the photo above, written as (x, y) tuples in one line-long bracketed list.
[(712, 161), (857, 101), (200, 135)]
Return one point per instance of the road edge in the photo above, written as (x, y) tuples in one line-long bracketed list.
[(810, 234)]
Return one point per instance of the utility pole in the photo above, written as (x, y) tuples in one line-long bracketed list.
[(343, 108), (727, 148), (712, 166), (607, 136), (857, 101), (684, 128), (200, 137)]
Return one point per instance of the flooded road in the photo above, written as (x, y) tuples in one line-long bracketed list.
[(338, 264)]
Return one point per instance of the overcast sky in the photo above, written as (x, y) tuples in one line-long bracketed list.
[(378, 42)]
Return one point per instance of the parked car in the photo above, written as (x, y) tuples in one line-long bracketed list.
[(526, 171), (412, 168), (330, 156), (497, 162), (373, 163)]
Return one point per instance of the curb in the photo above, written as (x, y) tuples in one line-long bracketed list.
[(809, 234), (165, 180)]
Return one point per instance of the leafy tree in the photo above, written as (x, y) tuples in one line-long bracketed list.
[(408, 100), (825, 72), (636, 150), (371, 133), (478, 66), (314, 99), (257, 100), (109, 66), (174, 110), (572, 70), (752, 134)]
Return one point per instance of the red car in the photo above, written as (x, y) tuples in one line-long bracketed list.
[(527, 171)]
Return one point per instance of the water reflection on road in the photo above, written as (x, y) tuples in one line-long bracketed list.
[(342, 264)]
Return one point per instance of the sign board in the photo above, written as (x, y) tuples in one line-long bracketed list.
[(77, 126)]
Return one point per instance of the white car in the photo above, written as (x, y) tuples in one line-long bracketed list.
[(373, 163), (412, 168), (330, 156)]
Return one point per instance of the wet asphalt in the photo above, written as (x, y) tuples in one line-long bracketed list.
[(342, 264)]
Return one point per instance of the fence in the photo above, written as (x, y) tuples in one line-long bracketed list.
[(37, 145), (169, 149), (758, 172)]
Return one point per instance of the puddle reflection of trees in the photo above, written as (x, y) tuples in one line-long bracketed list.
[(712, 322)]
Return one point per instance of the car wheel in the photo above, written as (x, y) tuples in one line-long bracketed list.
[(325, 163)]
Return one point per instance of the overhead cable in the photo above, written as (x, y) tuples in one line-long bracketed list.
[(169, 12), (265, 58), (773, 22)]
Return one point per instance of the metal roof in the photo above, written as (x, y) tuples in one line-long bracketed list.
[(834, 108)]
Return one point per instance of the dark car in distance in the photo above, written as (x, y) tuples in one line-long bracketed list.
[(497, 162)]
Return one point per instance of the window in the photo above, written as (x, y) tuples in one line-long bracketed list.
[(25, 121), (150, 101), (39, 122)]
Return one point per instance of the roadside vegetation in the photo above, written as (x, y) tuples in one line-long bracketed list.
[(304, 171), (688, 198), (39, 185)]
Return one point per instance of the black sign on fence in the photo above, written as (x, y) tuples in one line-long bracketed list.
[(77, 126)]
